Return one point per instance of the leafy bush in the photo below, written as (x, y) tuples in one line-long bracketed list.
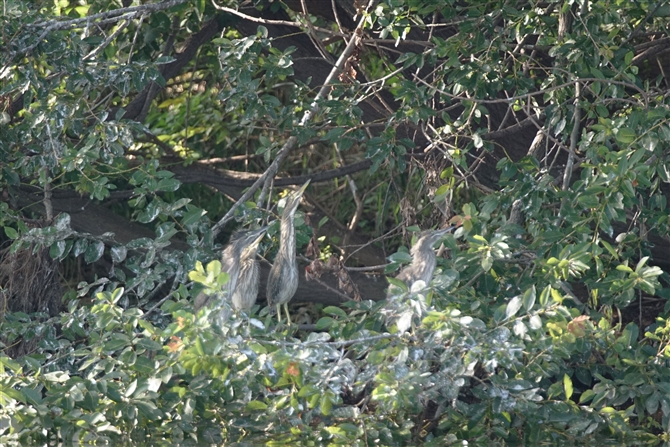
[(463, 360), (521, 337)]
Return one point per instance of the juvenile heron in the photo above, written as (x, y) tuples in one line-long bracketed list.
[(283, 278), (239, 261), (424, 259)]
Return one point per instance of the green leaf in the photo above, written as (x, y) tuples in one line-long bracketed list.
[(11, 364), (625, 135), (94, 252), (535, 322), (586, 396), (651, 403), (32, 396), (192, 216), (397, 283), (256, 405), (326, 404), (441, 193), (169, 184), (529, 299), (336, 311), (513, 307), (308, 390), (149, 410), (258, 348), (80, 247), (641, 264), (401, 257), (567, 386), (62, 222), (119, 253), (324, 323), (117, 294), (149, 344), (57, 249), (628, 58), (11, 233), (609, 248), (334, 134), (145, 365), (199, 348)]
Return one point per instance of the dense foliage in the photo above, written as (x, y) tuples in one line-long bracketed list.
[(538, 128)]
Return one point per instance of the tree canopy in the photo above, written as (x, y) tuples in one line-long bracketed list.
[(136, 137)]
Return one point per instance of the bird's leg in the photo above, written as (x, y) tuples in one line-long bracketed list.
[(279, 313), (288, 317)]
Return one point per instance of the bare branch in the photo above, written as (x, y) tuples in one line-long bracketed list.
[(255, 19), (573, 138), (107, 41)]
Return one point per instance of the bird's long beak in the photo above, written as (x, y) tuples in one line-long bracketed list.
[(444, 231), (261, 233), (302, 189)]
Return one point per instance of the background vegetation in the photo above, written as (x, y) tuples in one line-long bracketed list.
[(135, 137)]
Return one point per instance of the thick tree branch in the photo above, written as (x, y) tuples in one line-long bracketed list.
[(201, 173), (134, 109)]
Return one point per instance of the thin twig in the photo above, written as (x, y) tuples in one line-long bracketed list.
[(107, 41), (162, 300), (573, 138), (332, 289), (312, 35), (380, 238), (370, 268), (132, 45)]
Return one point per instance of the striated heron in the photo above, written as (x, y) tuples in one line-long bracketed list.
[(424, 259), (239, 261), (283, 278)]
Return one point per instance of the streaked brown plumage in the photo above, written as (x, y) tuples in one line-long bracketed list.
[(239, 261), (424, 259), (283, 278)]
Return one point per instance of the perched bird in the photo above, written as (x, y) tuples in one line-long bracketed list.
[(283, 278), (424, 259), (246, 290), (239, 261)]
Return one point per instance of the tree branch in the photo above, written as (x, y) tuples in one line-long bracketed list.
[(574, 136), (102, 17), (133, 110)]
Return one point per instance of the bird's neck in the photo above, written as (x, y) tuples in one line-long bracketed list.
[(287, 240), (423, 256)]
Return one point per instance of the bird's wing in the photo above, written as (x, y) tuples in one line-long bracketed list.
[(407, 275), (274, 283), (246, 292), (282, 281)]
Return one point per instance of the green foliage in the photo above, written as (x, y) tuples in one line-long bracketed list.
[(519, 338), (507, 364)]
